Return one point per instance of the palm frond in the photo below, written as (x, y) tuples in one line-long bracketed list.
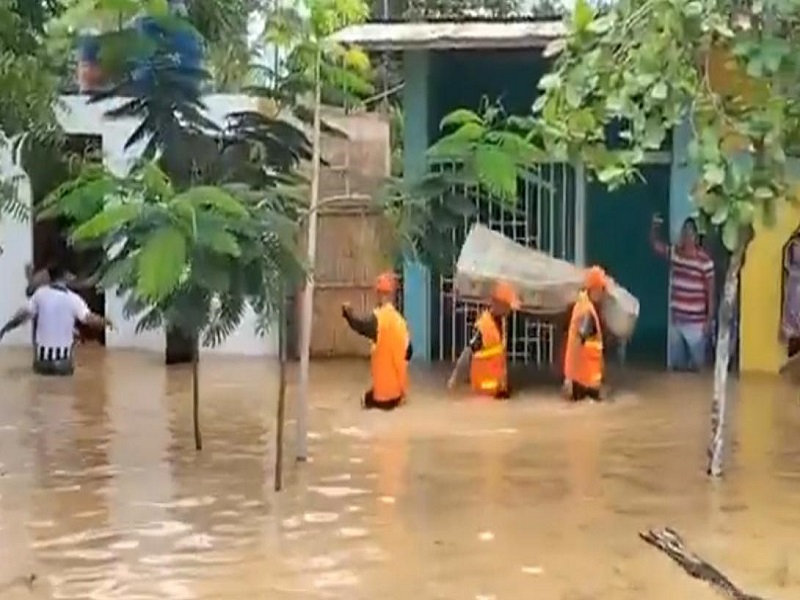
[(10, 203), (227, 314), (152, 319)]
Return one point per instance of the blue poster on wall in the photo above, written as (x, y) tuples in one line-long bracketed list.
[(178, 42)]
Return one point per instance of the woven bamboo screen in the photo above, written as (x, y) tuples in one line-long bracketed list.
[(351, 248)]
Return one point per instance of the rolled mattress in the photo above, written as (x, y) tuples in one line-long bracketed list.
[(545, 285)]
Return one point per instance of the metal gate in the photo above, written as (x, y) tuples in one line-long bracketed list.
[(544, 218)]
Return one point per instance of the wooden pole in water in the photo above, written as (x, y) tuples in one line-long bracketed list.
[(280, 418), (198, 438), (722, 355), (308, 294)]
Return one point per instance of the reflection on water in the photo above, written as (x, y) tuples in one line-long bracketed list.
[(102, 495)]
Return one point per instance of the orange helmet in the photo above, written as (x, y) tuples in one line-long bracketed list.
[(595, 278), (386, 283), (505, 293)]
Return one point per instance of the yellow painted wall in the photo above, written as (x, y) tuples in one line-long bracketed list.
[(760, 350)]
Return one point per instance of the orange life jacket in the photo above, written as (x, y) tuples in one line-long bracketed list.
[(388, 362), (583, 362), (487, 373)]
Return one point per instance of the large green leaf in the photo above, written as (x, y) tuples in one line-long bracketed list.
[(458, 142), (497, 171), (550, 81), (582, 15), (220, 241), (79, 199), (161, 264), (118, 271), (157, 181), (215, 198), (460, 117), (517, 147), (103, 223)]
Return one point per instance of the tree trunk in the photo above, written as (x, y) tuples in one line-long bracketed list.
[(308, 293), (180, 348), (722, 359), (198, 439), (279, 421)]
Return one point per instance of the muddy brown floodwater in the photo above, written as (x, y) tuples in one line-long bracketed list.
[(102, 495)]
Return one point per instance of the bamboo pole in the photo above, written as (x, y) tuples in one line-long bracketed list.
[(308, 295), (281, 416), (198, 438)]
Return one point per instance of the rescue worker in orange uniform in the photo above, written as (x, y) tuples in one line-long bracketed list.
[(386, 328), (486, 351), (583, 360)]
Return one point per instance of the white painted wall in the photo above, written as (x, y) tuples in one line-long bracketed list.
[(79, 117), (15, 239)]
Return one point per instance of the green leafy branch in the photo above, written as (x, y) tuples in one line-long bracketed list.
[(302, 32), (490, 147), (645, 67), (423, 217)]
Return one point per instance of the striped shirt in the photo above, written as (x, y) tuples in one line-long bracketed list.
[(50, 354), (691, 279)]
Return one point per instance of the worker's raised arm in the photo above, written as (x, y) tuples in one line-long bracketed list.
[(364, 326), (659, 246)]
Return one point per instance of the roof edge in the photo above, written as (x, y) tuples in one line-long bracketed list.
[(452, 35)]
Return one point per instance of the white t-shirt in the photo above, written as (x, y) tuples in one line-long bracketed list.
[(56, 311)]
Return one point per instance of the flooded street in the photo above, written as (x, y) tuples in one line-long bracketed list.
[(102, 494)]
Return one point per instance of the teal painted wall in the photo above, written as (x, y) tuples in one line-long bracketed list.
[(416, 277), (682, 178), (617, 238), (459, 79)]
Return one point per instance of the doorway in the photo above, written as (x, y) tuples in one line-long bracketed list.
[(50, 167), (618, 238)]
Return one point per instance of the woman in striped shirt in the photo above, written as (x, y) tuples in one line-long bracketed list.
[(691, 299)]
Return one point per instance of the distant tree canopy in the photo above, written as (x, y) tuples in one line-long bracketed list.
[(28, 73)]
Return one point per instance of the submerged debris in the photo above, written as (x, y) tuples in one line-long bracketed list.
[(670, 543)]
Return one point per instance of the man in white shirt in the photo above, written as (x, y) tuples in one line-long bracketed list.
[(56, 309)]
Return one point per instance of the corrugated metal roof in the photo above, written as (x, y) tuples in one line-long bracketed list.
[(451, 35)]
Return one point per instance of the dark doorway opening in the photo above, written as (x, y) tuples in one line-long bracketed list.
[(790, 292), (51, 166)]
